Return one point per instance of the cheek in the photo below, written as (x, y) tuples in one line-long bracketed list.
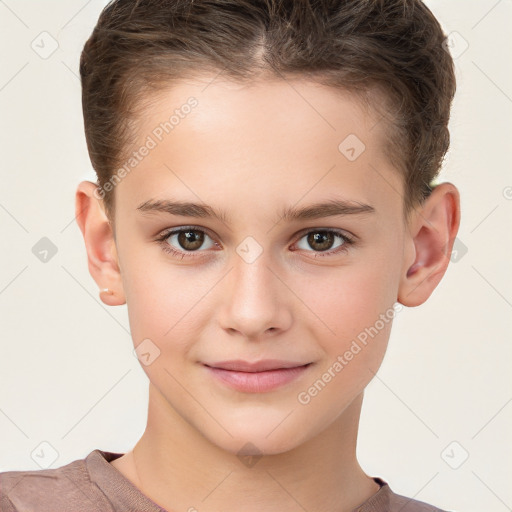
[(165, 305), (354, 307), (357, 311), (346, 300)]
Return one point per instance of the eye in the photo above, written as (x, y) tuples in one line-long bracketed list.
[(326, 241), (190, 242), (186, 240)]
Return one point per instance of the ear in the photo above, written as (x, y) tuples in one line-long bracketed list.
[(432, 229), (99, 242)]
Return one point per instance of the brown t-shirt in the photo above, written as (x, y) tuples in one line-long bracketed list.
[(94, 485)]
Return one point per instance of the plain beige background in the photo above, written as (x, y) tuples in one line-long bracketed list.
[(437, 417)]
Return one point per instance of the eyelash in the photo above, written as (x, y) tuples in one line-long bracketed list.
[(162, 240)]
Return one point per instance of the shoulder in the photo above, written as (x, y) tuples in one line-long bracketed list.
[(386, 499), (47, 490), (404, 504)]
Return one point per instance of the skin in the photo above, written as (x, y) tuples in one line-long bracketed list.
[(250, 151)]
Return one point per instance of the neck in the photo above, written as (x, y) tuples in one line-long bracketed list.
[(179, 469)]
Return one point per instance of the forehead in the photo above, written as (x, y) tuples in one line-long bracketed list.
[(261, 140), (295, 109)]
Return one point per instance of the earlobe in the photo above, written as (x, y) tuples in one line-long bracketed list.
[(100, 244), (433, 229), (110, 297)]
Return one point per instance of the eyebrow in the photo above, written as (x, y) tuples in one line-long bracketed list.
[(328, 208)]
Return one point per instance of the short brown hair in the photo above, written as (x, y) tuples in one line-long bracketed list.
[(395, 46)]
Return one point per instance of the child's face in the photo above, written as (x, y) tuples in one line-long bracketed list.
[(253, 289)]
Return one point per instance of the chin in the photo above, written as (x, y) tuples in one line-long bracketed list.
[(255, 446), (258, 438)]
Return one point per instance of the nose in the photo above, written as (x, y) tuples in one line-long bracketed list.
[(254, 301)]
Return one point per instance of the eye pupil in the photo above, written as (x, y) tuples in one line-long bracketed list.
[(191, 239), (325, 240)]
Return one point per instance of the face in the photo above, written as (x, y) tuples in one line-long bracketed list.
[(256, 272)]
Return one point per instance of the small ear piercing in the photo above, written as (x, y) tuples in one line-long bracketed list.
[(110, 297)]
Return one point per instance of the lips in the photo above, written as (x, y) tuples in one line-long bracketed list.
[(256, 377), (239, 365)]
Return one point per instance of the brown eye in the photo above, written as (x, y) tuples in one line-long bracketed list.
[(190, 240), (187, 240), (324, 241), (321, 240)]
